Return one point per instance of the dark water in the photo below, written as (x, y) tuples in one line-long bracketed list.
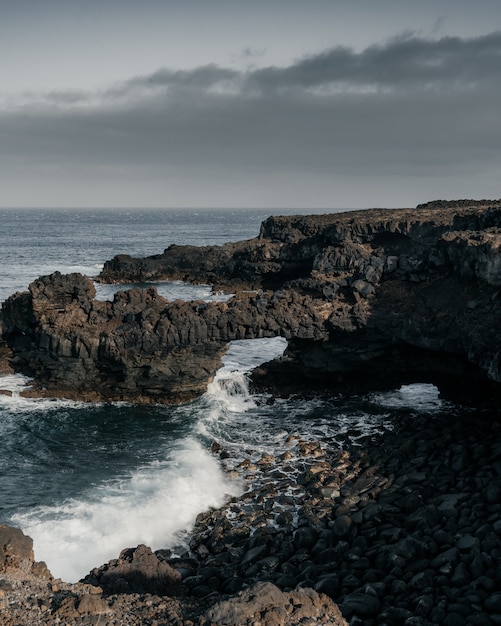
[(86, 480)]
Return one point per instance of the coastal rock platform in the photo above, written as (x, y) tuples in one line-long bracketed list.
[(385, 296)]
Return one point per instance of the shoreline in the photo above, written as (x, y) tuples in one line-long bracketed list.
[(406, 525)]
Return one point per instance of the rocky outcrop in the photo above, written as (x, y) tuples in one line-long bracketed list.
[(139, 588), (382, 295), (136, 570), (139, 347), (17, 558), (266, 604)]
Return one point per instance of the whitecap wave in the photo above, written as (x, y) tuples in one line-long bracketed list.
[(417, 396), (15, 384), (154, 505)]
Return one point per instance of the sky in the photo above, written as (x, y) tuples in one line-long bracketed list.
[(319, 104)]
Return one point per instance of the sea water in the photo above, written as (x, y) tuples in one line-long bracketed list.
[(87, 480)]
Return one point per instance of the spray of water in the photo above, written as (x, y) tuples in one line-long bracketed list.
[(154, 505)]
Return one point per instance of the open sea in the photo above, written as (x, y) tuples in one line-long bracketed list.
[(87, 480)]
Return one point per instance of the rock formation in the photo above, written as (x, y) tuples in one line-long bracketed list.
[(139, 588), (378, 295)]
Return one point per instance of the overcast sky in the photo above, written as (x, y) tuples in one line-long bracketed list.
[(249, 103)]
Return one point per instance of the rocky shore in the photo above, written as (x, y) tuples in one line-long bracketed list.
[(387, 295), (402, 528)]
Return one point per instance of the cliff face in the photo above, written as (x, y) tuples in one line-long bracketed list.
[(139, 347), (384, 295)]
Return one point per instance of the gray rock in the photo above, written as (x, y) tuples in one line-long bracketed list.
[(265, 603)]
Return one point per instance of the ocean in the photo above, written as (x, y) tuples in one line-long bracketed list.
[(87, 480)]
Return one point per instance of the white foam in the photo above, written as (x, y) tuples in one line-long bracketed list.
[(152, 506), (418, 396), (228, 395), (156, 504), (170, 290), (15, 384)]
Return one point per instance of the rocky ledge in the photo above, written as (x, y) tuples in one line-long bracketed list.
[(383, 296)]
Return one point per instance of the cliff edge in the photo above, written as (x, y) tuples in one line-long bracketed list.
[(379, 296)]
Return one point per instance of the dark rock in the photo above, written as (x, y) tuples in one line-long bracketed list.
[(493, 603), (329, 585), (460, 576), (17, 558), (341, 527), (396, 284), (136, 570), (253, 555), (360, 604), (454, 619), (449, 557), (305, 537)]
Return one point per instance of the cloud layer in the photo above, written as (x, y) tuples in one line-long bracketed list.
[(396, 116)]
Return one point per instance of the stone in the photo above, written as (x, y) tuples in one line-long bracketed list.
[(16, 550), (360, 604), (467, 542), (265, 604), (92, 604), (253, 555), (136, 570), (341, 526), (493, 603)]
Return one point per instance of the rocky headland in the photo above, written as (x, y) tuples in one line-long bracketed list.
[(403, 528), (383, 296)]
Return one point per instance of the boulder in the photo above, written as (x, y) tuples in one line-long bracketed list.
[(137, 570), (265, 604), (17, 558)]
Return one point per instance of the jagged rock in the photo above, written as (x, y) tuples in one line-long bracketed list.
[(383, 296), (265, 604), (139, 347), (16, 555), (136, 570)]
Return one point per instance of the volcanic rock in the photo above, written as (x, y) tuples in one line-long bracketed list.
[(377, 297)]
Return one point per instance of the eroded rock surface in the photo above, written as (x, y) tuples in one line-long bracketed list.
[(139, 588), (265, 604), (381, 295)]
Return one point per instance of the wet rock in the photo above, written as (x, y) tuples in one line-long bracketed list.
[(253, 555), (360, 604)]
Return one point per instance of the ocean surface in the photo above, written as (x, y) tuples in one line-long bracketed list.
[(87, 480)]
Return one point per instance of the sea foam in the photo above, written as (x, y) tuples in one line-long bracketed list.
[(154, 505)]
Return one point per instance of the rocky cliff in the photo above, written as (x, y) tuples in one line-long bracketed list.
[(380, 296)]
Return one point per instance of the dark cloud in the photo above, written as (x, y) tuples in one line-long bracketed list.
[(404, 62), (409, 108)]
